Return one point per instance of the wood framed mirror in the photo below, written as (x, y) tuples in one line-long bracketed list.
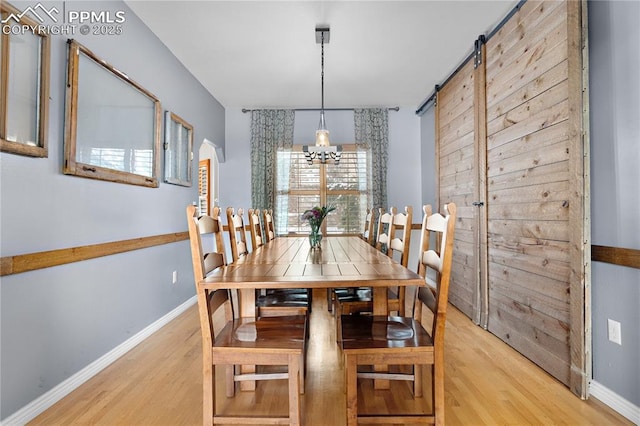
[(112, 124), (24, 84)]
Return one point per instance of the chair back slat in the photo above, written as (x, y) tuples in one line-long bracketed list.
[(384, 229), (426, 295), (219, 298), (432, 260), (212, 261), (400, 234), (237, 233)]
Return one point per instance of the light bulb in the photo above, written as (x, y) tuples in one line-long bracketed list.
[(322, 137)]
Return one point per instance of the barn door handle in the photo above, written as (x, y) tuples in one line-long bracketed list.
[(478, 203)]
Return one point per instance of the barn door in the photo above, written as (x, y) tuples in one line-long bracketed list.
[(458, 173), (511, 147), (536, 187)]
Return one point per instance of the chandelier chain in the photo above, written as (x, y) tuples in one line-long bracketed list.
[(322, 71)]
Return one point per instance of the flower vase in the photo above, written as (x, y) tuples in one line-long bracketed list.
[(315, 237)]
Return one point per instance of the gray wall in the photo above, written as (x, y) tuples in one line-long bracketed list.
[(56, 321), (614, 64)]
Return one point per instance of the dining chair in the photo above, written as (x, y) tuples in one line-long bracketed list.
[(275, 302), (237, 233), (359, 299), (394, 238), (368, 236), (268, 303), (409, 341), (269, 229), (285, 301), (231, 341), (255, 228)]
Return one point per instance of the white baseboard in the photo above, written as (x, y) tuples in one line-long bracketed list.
[(37, 406), (615, 401)]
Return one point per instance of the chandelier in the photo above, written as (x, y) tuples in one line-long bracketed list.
[(322, 150)]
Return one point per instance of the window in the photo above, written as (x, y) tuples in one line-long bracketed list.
[(302, 186), (24, 84)]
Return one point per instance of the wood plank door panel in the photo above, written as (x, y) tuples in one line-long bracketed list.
[(529, 185), (457, 176)]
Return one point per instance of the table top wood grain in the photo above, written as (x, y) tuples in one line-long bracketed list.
[(289, 262)]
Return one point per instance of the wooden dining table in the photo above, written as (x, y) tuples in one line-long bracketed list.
[(289, 262)]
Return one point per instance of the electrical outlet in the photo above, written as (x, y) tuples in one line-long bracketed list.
[(615, 331), (175, 277)]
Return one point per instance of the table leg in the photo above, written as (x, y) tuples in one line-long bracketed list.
[(380, 307), (247, 308)]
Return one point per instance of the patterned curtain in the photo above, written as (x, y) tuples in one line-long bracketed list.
[(372, 134), (271, 130)]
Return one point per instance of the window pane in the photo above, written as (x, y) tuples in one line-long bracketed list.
[(349, 174), (24, 89), (110, 158), (178, 155), (296, 205), (142, 162), (283, 171), (349, 214), (184, 155), (302, 175)]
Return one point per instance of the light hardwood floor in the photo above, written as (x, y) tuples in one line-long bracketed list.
[(487, 383)]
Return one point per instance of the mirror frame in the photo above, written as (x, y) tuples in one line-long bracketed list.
[(16, 147), (74, 167)]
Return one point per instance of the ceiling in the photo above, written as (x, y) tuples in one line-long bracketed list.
[(261, 54)]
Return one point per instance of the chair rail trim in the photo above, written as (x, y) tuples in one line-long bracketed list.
[(17, 264), (616, 255)]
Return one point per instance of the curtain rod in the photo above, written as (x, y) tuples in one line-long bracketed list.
[(318, 109)]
